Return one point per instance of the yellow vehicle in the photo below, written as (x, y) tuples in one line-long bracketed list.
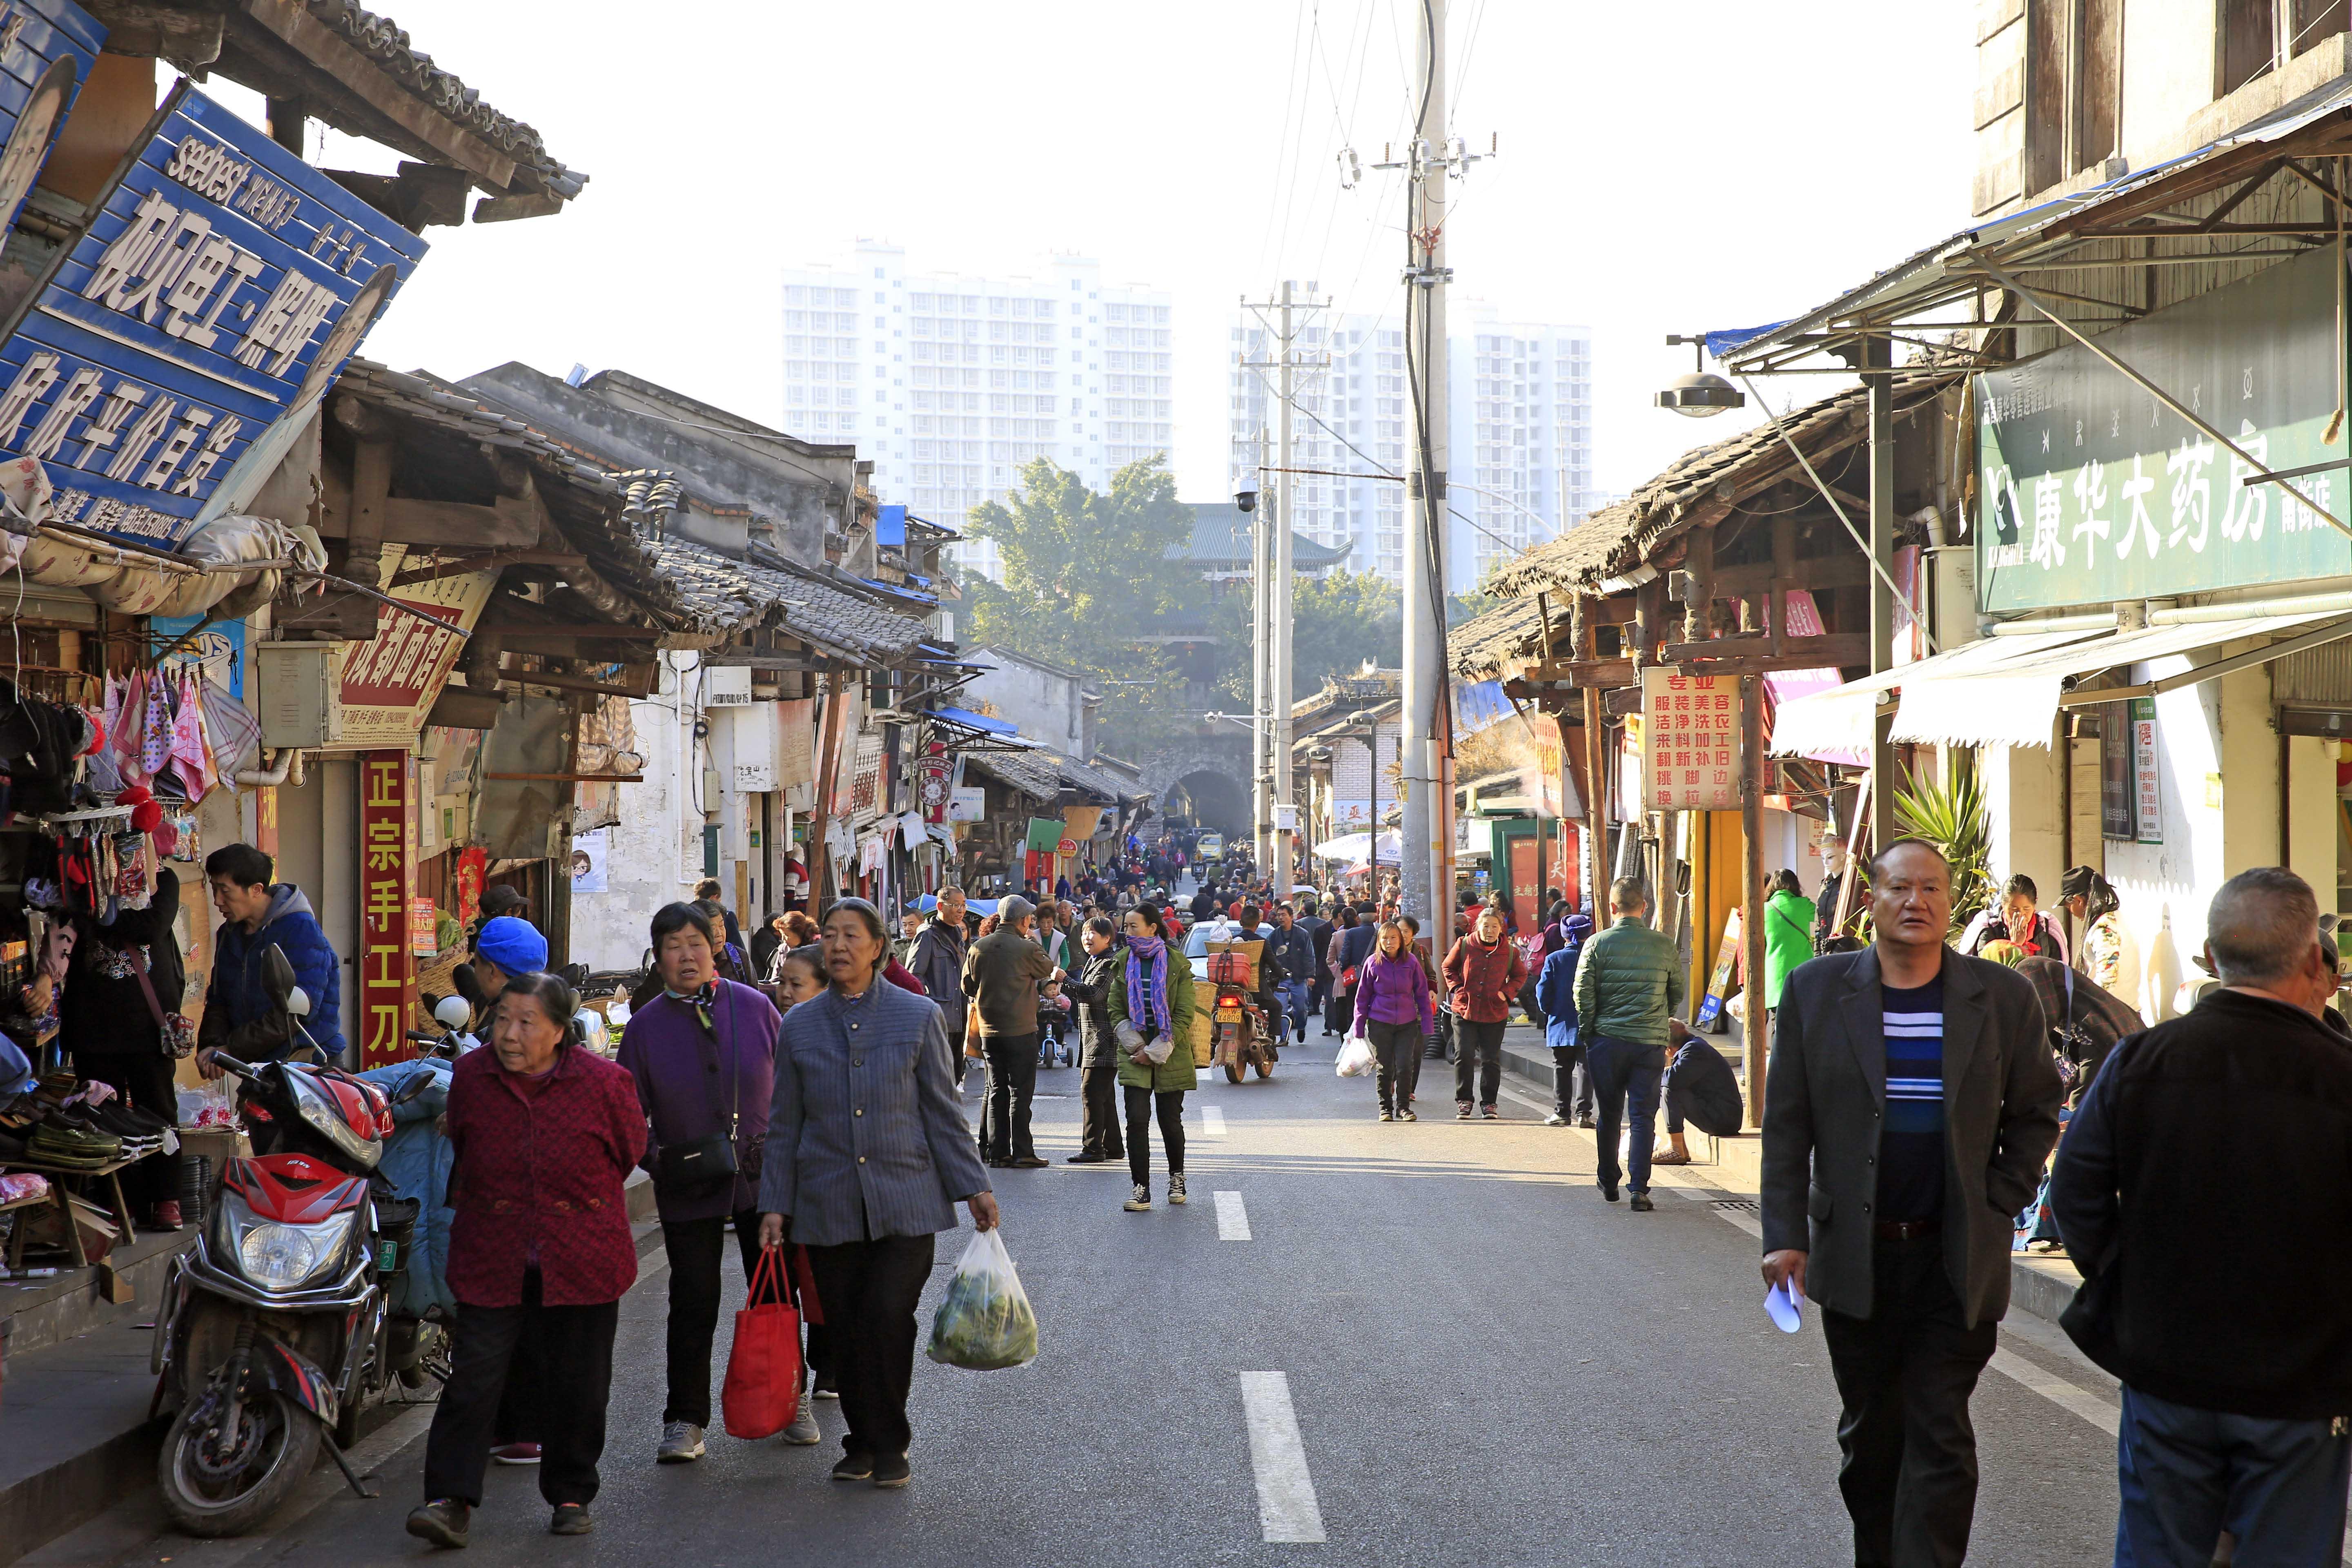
[(1211, 847)]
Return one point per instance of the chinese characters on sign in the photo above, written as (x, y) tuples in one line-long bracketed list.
[(220, 285), (2148, 808), (1690, 742), (387, 884), (389, 682), (2092, 491)]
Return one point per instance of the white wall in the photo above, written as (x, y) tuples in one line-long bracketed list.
[(648, 866), (1042, 704)]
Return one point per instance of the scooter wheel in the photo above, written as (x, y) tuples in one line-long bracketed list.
[(1234, 1074), (204, 1501)]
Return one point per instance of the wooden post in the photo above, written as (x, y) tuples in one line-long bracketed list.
[(1751, 887), (1596, 806), (1698, 561), (820, 857), (1784, 572), (1878, 354)]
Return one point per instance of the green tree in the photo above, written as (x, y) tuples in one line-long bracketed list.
[(1338, 623), (1085, 570)]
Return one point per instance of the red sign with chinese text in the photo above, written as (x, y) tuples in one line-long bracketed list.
[(387, 884), (1690, 742)]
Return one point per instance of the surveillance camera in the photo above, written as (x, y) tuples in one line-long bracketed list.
[(1246, 500)]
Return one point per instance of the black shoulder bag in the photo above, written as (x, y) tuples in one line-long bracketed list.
[(701, 1166)]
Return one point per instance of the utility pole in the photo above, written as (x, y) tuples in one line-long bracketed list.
[(1271, 559), (1261, 649), (1427, 851)]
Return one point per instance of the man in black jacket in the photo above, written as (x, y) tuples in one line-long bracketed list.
[(1319, 943), (1909, 1105), (1089, 992), (2229, 1322)]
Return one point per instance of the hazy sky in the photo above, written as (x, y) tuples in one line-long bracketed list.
[(1709, 163)]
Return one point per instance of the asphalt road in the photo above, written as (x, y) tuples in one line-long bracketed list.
[(1486, 1365)]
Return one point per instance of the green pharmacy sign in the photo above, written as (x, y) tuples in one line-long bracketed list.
[(2090, 490)]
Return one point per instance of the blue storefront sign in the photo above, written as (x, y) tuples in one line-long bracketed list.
[(217, 652), (172, 350), (46, 48)]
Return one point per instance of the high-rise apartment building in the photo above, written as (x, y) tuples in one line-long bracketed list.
[(1520, 459), (951, 384)]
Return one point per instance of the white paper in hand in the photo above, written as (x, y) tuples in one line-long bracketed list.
[(1783, 1306)]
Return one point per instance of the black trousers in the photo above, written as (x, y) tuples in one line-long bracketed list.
[(1139, 1106), (868, 1290), (577, 1344), (1099, 1115), (519, 1420), (1572, 1082), (1904, 1375), (144, 1079), (1012, 1082), (1478, 1060), (698, 1252), (1397, 1047)]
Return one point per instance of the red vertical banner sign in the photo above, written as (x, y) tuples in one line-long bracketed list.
[(265, 822), (387, 883)]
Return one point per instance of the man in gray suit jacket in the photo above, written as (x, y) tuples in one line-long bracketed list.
[(1911, 1100)]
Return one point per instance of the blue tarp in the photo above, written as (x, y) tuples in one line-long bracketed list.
[(970, 721), (895, 592), (1478, 703), (983, 907), (890, 528), (1719, 344)]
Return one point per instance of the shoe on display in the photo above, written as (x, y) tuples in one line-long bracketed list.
[(681, 1443), (1140, 1201), (167, 1216), (802, 1432)]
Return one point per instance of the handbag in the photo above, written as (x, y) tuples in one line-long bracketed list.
[(762, 1393), (700, 1165), (179, 1034)]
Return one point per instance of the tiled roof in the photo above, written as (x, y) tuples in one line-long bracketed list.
[(1221, 536), (385, 42), (1478, 649), (1041, 774), (1615, 539), (724, 594)]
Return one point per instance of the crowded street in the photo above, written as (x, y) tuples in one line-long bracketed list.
[(1611, 1393)]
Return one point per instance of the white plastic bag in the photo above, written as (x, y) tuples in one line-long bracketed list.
[(984, 1321), (1356, 1058)]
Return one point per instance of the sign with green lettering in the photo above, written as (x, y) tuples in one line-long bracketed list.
[(2090, 490)]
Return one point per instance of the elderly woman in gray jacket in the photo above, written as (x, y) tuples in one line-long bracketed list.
[(868, 1155)]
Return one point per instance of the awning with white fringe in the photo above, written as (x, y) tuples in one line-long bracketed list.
[(1842, 719)]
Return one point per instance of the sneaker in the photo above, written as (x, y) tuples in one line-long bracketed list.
[(1176, 1187), (855, 1468), (802, 1432), (1462, 1110), (165, 1217), (1386, 1114), (1642, 1204), (515, 1453), (571, 1519), (441, 1521), (1140, 1201), (1555, 1119), (1490, 1113), (1584, 1119), (825, 1390), (1085, 1159), (1028, 1163), (892, 1470), (1407, 1115), (681, 1443)]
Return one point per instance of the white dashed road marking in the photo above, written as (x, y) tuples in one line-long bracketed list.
[(1286, 1510), (1233, 1219)]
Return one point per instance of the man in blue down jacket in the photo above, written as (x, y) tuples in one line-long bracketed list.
[(1572, 1094), (257, 914)]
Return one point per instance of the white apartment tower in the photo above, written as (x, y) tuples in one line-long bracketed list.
[(951, 384), (1520, 464)]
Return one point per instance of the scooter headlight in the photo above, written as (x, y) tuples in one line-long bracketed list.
[(278, 1257)]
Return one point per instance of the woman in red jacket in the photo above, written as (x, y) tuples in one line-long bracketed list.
[(545, 1135)]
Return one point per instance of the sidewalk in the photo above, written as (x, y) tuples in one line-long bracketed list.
[(2040, 1283), (75, 1437)]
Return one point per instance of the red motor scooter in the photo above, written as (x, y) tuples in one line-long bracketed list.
[(273, 1336)]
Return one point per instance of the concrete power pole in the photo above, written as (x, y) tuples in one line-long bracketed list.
[(1271, 597), (1278, 737), (1427, 850), (1261, 670)]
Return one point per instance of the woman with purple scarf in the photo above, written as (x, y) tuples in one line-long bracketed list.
[(1152, 1019)]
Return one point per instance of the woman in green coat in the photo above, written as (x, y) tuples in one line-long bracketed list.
[(1152, 1019), (1787, 935)]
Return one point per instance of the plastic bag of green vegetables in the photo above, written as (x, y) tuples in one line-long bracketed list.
[(984, 1321)]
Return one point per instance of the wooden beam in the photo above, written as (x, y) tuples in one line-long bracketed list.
[(515, 676), (514, 626), (510, 522), (324, 47), (457, 566), (1601, 672), (1834, 647), (189, 39)]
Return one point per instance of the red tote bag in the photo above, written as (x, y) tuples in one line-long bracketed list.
[(763, 1369)]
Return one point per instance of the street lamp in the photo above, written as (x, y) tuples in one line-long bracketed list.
[(1698, 395)]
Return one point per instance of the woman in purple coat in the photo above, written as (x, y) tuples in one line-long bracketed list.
[(703, 1052), (1395, 1008)]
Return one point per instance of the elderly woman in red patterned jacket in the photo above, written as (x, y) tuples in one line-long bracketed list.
[(545, 1135)]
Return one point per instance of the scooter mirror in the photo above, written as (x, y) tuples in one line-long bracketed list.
[(297, 1000), (417, 1084), (276, 973), (451, 1012)]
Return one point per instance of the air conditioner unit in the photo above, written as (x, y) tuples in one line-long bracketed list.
[(727, 686), (1952, 594)]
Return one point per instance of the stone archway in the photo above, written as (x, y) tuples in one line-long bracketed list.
[(1188, 765), (1212, 801)]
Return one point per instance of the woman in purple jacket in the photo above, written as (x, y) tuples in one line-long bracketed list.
[(703, 1052), (1395, 1008)]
